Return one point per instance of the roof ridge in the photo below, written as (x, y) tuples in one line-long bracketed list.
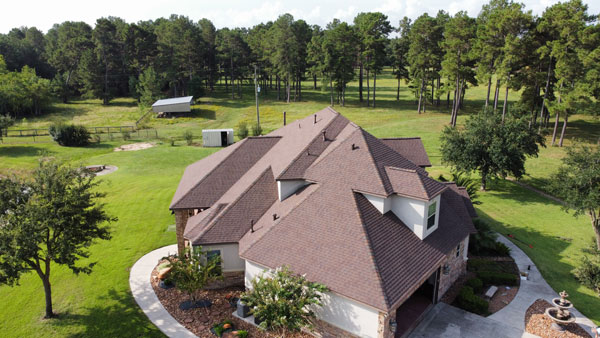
[(213, 221), (401, 169), (305, 149), (401, 138), (370, 156), (370, 246), (207, 174)]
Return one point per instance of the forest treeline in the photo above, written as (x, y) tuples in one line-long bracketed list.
[(553, 59)]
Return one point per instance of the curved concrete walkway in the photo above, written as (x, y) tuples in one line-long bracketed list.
[(141, 288), (530, 290)]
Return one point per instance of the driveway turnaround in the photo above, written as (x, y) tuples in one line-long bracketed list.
[(141, 288), (448, 321)]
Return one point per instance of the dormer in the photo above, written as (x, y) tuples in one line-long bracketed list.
[(286, 188), (415, 200)]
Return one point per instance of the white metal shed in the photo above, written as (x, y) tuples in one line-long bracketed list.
[(217, 137), (174, 105)]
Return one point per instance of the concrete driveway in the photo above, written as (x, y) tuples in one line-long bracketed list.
[(448, 321)]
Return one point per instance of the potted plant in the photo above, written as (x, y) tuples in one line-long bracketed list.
[(243, 310)]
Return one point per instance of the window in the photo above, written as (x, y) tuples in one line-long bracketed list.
[(458, 250), (215, 253), (431, 215)]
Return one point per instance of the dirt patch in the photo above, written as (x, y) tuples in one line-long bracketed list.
[(503, 297), (135, 146), (199, 321), (537, 323)]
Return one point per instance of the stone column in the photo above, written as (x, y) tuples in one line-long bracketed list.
[(384, 324), (181, 217)]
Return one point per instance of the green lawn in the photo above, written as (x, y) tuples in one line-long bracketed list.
[(139, 194)]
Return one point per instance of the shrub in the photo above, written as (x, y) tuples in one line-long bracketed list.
[(467, 300), (172, 141), (497, 278), (588, 273), (478, 265), (242, 130), (126, 135), (483, 243), (283, 300), (96, 138), (189, 137), (476, 284), (193, 270), (69, 135), (256, 130), (242, 333)]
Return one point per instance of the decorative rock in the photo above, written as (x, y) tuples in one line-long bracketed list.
[(163, 273), (188, 320), (491, 291)]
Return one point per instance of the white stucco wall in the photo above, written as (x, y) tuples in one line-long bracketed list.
[(411, 212), (231, 260), (337, 310), (287, 187), (382, 204)]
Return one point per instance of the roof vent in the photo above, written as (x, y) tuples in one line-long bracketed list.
[(324, 137), (354, 146), (315, 119), (284, 120), (275, 217), (252, 226)]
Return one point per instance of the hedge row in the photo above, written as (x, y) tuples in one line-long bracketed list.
[(467, 300), (497, 278)]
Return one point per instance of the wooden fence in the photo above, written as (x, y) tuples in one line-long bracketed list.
[(43, 135)]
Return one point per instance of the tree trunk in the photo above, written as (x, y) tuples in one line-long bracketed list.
[(487, 98), (299, 88), (557, 117), (496, 95), (545, 92), (315, 82), (287, 86), (232, 79), (331, 89), (48, 293), (368, 90), (374, 87), (432, 92), (278, 88), (398, 91), (596, 226), (483, 182), (344, 96), (448, 100), (564, 128), (420, 96), (360, 83), (438, 92), (505, 102)]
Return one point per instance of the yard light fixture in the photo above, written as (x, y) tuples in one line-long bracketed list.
[(446, 269), (393, 325)]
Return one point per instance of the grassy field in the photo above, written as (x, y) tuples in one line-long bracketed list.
[(139, 194)]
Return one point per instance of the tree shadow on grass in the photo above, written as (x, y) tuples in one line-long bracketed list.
[(23, 151), (203, 113), (512, 191), (117, 315)]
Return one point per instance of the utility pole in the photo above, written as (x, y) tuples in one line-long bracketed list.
[(256, 97)]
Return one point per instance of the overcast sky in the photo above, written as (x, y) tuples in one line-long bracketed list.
[(239, 13)]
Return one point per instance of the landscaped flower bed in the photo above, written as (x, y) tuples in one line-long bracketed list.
[(537, 323), (200, 321)]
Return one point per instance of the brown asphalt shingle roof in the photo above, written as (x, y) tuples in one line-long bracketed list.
[(411, 148), (232, 223), (410, 183), (228, 171)]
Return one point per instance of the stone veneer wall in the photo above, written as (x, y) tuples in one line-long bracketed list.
[(181, 218), (384, 324), (458, 266)]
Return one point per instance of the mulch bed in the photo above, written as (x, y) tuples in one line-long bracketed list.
[(199, 320), (503, 297), (537, 323)]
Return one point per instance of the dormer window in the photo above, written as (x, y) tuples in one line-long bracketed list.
[(431, 215)]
